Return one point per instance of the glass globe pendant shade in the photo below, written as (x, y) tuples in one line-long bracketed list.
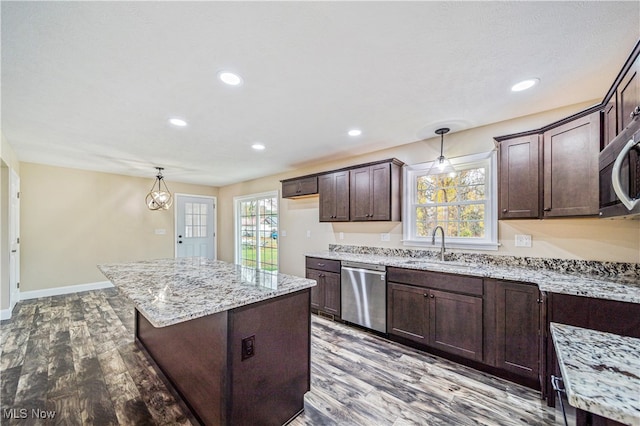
[(159, 199), (441, 165)]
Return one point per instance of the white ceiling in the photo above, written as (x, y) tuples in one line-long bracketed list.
[(91, 84)]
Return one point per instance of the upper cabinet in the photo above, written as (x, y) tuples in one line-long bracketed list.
[(571, 168), (334, 196), (365, 192), (628, 95), (298, 187), (375, 192), (519, 175), (559, 167), (553, 171)]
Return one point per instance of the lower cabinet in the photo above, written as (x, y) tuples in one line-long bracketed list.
[(420, 311), (514, 320), (325, 296)]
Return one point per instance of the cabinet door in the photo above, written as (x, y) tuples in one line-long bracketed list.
[(361, 195), (317, 292), (380, 177), (455, 322), (299, 187), (334, 197), (331, 293), (519, 178), (571, 168), (517, 328), (609, 122), (628, 95), (408, 312)]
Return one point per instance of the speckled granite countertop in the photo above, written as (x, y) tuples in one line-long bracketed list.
[(622, 288), (169, 291), (601, 371)]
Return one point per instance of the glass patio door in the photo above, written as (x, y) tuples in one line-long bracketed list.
[(257, 231)]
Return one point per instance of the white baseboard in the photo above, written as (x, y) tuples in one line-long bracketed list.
[(57, 291), (5, 314)]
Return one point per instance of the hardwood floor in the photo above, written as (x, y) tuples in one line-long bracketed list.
[(74, 357)]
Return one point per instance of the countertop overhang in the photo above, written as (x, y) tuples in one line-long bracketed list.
[(600, 371), (169, 291), (623, 289)]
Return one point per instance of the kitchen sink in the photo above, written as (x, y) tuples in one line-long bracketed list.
[(437, 263)]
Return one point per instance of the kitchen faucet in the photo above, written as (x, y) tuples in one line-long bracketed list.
[(433, 241)]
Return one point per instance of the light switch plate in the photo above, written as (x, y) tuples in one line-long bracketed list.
[(523, 240)]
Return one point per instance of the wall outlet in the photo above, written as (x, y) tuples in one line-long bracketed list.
[(283, 233), (248, 347), (523, 240), (308, 234), (385, 236), (160, 231), (341, 236)]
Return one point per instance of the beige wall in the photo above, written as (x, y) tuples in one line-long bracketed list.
[(8, 160), (590, 239), (72, 220)]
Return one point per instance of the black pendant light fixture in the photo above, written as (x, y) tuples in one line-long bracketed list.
[(159, 198), (441, 165)]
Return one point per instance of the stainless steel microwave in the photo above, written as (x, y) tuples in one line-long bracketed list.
[(620, 174)]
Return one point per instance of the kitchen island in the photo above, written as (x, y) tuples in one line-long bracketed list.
[(233, 341), (601, 374)]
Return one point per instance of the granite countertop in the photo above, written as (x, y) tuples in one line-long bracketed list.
[(624, 289), (600, 371), (169, 291)]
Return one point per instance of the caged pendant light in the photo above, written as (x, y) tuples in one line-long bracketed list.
[(159, 198), (441, 165)]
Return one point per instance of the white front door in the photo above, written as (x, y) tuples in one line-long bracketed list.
[(195, 226), (14, 238)]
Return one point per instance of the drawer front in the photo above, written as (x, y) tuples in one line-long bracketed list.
[(436, 280), (323, 264)]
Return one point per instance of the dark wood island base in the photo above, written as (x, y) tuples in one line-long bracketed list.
[(246, 366)]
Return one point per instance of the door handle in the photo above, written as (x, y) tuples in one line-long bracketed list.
[(179, 242), (14, 251), (615, 176)]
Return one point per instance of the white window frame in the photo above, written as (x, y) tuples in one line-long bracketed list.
[(238, 222), (490, 241)]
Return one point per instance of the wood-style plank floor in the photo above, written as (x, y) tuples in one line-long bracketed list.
[(74, 356)]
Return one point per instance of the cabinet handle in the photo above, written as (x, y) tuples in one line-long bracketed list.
[(504, 210), (547, 209), (636, 111), (321, 264), (425, 295), (432, 296)]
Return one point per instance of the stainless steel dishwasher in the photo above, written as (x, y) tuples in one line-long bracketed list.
[(364, 295)]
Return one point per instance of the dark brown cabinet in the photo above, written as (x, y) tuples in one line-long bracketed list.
[(571, 168), (325, 296), (628, 95), (609, 122), (513, 328), (375, 192), (519, 176), (408, 312), (298, 187), (334, 196), (421, 308)]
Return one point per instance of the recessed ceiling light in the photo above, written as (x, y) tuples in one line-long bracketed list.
[(230, 78), (177, 122), (258, 146), (355, 132), (524, 85)]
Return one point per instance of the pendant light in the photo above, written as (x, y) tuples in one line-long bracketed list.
[(159, 199), (441, 165)]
